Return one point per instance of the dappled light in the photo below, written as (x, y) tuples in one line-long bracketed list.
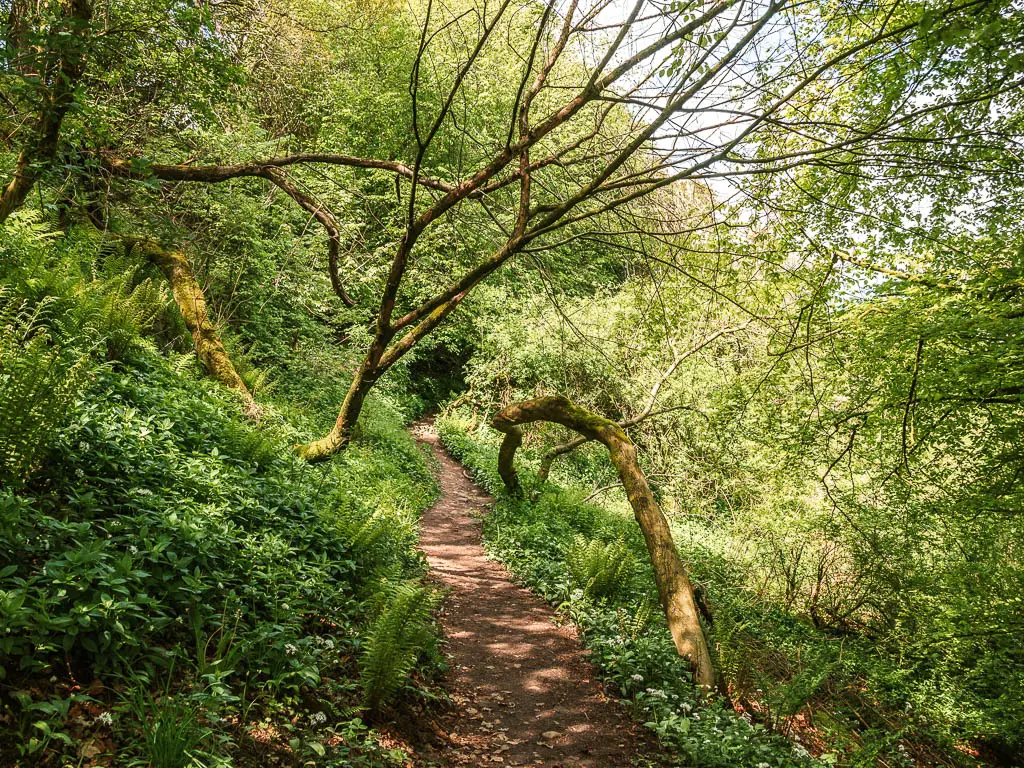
[(511, 382)]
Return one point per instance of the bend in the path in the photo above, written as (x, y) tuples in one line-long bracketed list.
[(525, 693)]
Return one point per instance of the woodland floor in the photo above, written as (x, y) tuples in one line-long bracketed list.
[(523, 690)]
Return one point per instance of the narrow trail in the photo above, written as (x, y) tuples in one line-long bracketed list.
[(524, 692)]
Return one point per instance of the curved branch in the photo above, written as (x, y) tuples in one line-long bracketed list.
[(270, 170), (217, 173), (675, 591), (560, 450), (325, 217)]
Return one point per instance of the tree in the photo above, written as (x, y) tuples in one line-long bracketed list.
[(45, 49), (604, 112), (676, 94), (675, 591)]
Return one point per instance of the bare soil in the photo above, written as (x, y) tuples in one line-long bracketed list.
[(523, 690)]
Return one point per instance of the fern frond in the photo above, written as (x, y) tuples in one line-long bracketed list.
[(39, 382), (633, 625), (599, 569), (395, 640)]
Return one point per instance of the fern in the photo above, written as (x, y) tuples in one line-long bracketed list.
[(633, 625), (28, 227), (118, 303), (599, 569), (362, 532), (262, 445), (395, 640), (38, 384)]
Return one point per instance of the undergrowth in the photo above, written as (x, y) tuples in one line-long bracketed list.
[(799, 696), (176, 587), (543, 542)]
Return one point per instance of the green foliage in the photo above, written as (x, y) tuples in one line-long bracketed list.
[(397, 636), (163, 536), (172, 729), (600, 569), (38, 386), (838, 443), (629, 641)]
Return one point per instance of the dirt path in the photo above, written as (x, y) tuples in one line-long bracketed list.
[(525, 693)]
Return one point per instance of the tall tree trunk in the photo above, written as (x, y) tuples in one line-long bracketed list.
[(40, 147), (188, 295), (675, 591)]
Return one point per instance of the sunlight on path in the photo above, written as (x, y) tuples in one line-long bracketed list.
[(524, 692)]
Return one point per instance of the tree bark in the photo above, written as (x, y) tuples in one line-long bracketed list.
[(188, 295), (675, 591), (41, 146), (341, 433)]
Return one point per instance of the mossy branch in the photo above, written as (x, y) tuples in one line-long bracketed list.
[(188, 295), (675, 591)]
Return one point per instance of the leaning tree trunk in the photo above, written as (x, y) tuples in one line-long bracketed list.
[(674, 588), (41, 146), (188, 295), (341, 433)]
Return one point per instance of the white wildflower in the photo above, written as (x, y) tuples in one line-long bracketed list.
[(638, 678), (317, 719), (132, 549), (799, 751), (290, 649), (763, 765), (104, 718)]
